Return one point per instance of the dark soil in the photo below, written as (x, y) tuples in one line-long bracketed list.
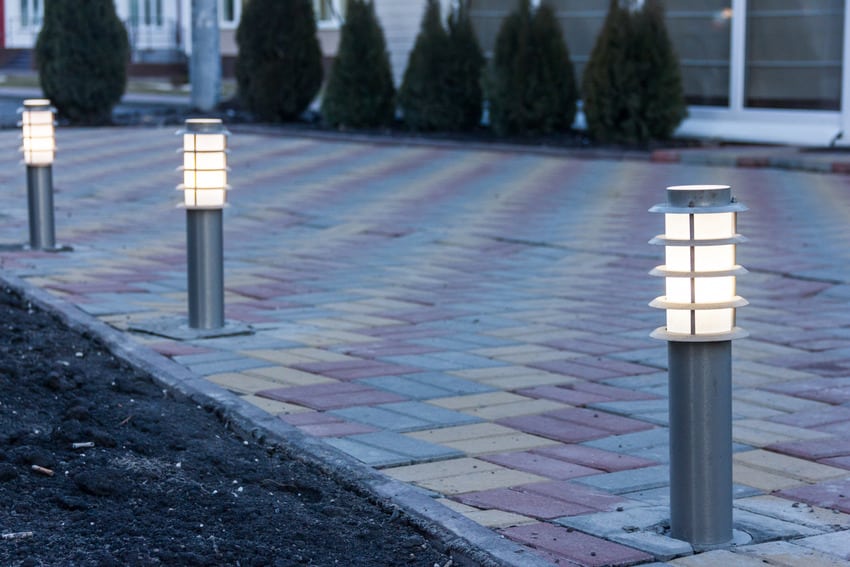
[(166, 483)]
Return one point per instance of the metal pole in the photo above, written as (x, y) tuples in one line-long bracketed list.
[(40, 202), (204, 244), (701, 442), (205, 63)]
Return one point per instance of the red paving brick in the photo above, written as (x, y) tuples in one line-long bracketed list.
[(600, 420), (565, 394), (540, 465), (552, 428), (527, 504), (831, 494), (594, 458), (572, 492), (331, 396), (815, 449), (575, 547)]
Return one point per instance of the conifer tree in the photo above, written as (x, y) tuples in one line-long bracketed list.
[(463, 70), (360, 91), (632, 88), (82, 54), (279, 66), (533, 82), (423, 96)]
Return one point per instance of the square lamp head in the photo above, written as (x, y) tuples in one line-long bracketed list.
[(700, 270), (37, 132), (204, 164)]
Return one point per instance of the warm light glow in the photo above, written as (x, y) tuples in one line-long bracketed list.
[(700, 238), (204, 164), (38, 136)]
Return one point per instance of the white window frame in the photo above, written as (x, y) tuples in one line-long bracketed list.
[(237, 15), (334, 22)]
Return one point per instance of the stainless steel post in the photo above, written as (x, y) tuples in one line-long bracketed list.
[(204, 245), (40, 203), (701, 442)]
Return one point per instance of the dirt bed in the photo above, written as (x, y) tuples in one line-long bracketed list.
[(158, 480)]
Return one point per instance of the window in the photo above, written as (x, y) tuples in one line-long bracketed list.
[(32, 12), (794, 53), (229, 12), (701, 34), (146, 12), (328, 12)]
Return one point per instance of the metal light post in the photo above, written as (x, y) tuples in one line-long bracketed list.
[(204, 189), (700, 272), (39, 147)]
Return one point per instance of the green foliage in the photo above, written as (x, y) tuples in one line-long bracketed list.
[(82, 53), (441, 89), (279, 66), (532, 84), (632, 86), (360, 91)]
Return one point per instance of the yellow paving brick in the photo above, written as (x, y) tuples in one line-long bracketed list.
[(533, 379), (758, 478), (494, 519), (527, 407), (789, 466), (285, 357), (370, 320), (336, 324), (761, 433), (440, 469), (501, 443), (461, 432), (753, 411), (333, 337), (484, 480), (508, 332), (474, 401), (242, 383), (781, 402), (274, 407), (787, 554), (284, 376), (511, 350), (795, 512), (544, 356)]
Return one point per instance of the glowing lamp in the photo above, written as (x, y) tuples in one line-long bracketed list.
[(700, 272), (37, 125), (204, 164)]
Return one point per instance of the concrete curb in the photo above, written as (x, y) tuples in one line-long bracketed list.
[(475, 544)]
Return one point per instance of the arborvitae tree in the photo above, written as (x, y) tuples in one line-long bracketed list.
[(663, 106), (82, 54), (533, 87), (463, 70), (279, 66), (422, 97), (632, 88), (360, 91)]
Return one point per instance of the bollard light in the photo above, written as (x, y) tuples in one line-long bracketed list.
[(204, 164), (700, 271), (204, 196), (39, 137), (39, 147)]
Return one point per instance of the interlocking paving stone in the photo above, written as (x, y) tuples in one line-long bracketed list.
[(630, 480), (766, 528), (814, 450), (523, 503), (830, 494), (788, 466), (606, 524), (795, 512), (789, 554), (540, 464), (405, 416), (426, 385), (594, 458), (331, 395), (815, 418), (718, 557), (576, 547), (490, 518), (552, 428), (835, 544), (383, 449)]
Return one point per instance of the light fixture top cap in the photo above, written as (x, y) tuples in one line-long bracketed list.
[(204, 126), (689, 199)]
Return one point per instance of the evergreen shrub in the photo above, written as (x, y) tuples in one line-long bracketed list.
[(632, 86), (360, 91), (279, 66), (441, 89), (82, 54), (532, 83)]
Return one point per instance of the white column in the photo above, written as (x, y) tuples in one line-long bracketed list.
[(845, 81), (738, 51)]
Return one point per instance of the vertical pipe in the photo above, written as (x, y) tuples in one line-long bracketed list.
[(204, 246), (40, 203), (701, 442), (205, 63)]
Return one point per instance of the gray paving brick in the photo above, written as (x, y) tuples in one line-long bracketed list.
[(604, 524), (634, 408), (382, 418), (765, 528), (659, 546), (633, 480), (414, 449), (632, 442), (369, 454), (232, 365), (406, 387), (436, 416)]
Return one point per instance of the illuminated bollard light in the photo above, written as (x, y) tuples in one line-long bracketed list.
[(39, 147), (700, 238), (204, 196)]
